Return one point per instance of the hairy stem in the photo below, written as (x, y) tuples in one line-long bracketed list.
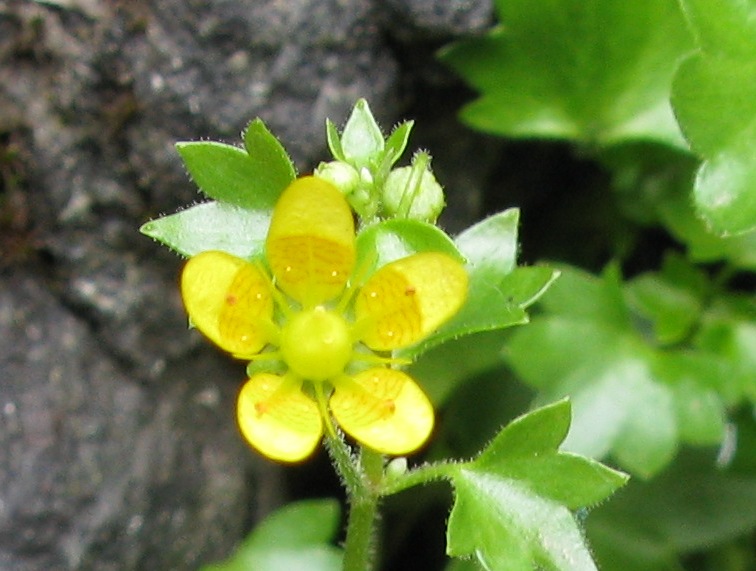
[(360, 546)]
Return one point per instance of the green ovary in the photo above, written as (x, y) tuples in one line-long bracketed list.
[(316, 344)]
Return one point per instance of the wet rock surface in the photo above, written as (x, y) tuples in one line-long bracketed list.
[(119, 447)]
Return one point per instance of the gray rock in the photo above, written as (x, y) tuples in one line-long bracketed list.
[(421, 20), (99, 471), (120, 449)]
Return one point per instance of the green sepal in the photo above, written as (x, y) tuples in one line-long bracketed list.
[(361, 141), (334, 141), (397, 142)]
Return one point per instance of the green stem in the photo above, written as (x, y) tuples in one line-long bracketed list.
[(366, 483), (360, 548), (344, 462), (421, 475)]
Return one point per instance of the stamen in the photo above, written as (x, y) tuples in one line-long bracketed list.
[(354, 285), (322, 400), (266, 356), (278, 297)]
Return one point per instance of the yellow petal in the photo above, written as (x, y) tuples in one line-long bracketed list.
[(278, 419), (229, 300), (406, 300), (384, 409), (310, 245)]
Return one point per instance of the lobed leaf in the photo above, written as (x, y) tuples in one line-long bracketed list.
[(229, 174), (694, 504), (591, 71), (510, 507)]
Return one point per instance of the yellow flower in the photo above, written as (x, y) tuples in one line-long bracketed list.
[(332, 335)]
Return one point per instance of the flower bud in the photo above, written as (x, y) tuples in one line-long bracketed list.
[(410, 192), (341, 175)]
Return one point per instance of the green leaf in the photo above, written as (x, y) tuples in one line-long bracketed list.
[(361, 141), (700, 410), (586, 348), (582, 295), (714, 97), (508, 503), (525, 285), (463, 565), (619, 405), (527, 450), (633, 397), (678, 214), (389, 240), (691, 506), (585, 70), (673, 310), (228, 173), (732, 338), (491, 245), (212, 226), (531, 434), (297, 537), (273, 167)]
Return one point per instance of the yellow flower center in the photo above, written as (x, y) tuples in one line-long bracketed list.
[(316, 344)]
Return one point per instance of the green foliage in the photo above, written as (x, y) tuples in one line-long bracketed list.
[(511, 507), (212, 226), (715, 101), (298, 537), (251, 178), (590, 71), (645, 375), (692, 505), (661, 362)]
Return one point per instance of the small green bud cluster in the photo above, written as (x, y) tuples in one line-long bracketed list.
[(363, 171)]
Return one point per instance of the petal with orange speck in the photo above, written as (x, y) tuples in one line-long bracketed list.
[(278, 419), (383, 409), (229, 300), (406, 300)]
